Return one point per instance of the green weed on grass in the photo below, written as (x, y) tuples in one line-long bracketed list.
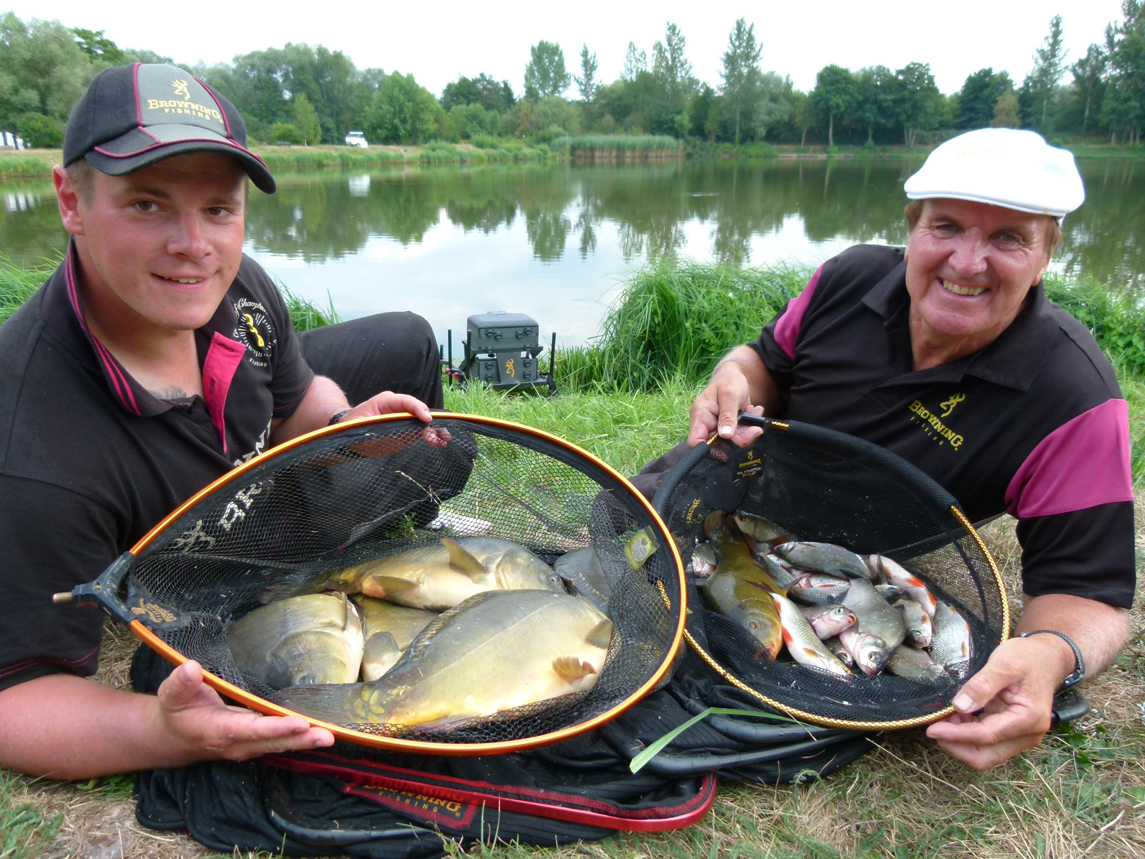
[(23, 829), (17, 284), (32, 162)]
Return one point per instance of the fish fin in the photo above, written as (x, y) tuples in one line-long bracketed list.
[(387, 587), (600, 635), (464, 561), (571, 669)]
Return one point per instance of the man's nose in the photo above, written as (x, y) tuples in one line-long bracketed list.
[(971, 254), (187, 237)]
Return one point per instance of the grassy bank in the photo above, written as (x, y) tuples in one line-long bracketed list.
[(615, 147)]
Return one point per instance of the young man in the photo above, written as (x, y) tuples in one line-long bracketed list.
[(153, 360)]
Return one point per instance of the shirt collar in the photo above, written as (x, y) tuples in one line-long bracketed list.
[(1013, 359)]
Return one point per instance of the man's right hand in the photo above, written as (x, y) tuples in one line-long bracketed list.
[(193, 714), (717, 408)]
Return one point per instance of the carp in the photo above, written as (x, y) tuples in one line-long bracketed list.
[(388, 630)]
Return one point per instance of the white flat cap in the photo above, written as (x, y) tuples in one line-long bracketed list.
[(1003, 167)]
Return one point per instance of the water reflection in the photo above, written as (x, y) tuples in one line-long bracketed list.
[(712, 210)]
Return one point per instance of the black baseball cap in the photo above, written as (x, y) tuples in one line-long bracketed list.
[(132, 116)]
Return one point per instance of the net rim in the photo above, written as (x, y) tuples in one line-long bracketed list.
[(397, 744)]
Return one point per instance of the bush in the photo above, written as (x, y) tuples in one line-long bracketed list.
[(550, 134), (284, 132), (40, 132), (485, 141)]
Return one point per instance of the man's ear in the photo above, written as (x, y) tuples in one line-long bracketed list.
[(67, 198)]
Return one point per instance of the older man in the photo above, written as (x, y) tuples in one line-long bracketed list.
[(152, 361), (948, 353)]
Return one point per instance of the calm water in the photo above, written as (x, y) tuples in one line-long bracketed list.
[(557, 242)]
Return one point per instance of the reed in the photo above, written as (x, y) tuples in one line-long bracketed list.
[(624, 147), (435, 153), (29, 162)]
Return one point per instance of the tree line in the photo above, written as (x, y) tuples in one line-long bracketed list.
[(304, 94)]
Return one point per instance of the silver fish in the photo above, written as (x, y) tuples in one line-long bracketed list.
[(875, 615), (919, 626), (916, 665), (824, 558), (819, 589), (841, 653), (802, 642), (952, 645), (759, 529), (827, 621), (897, 575), (785, 574), (582, 572), (703, 562), (869, 651)]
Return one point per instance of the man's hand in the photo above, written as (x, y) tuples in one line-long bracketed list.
[(388, 403), (740, 383), (195, 717), (1015, 693)]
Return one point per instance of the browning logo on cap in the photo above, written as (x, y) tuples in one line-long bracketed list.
[(181, 89), (161, 92)]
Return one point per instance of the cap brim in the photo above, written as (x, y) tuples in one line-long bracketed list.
[(141, 147), (989, 200)]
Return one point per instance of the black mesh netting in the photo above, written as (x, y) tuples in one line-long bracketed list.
[(824, 486), (380, 488)]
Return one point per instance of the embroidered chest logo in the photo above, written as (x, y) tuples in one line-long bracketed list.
[(932, 424), (253, 330), (948, 405)]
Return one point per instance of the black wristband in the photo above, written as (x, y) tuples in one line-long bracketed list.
[(1078, 674), (337, 416)]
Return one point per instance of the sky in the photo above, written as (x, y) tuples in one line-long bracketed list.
[(439, 40)]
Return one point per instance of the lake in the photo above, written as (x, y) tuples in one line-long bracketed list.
[(556, 242)]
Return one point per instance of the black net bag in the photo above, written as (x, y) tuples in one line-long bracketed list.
[(357, 495), (824, 486)]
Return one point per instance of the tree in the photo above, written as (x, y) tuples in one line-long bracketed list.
[(403, 111), (1041, 83), (1123, 107), (919, 101), (635, 62), (483, 90), (306, 120), (836, 92), (670, 69), (979, 96), (875, 108), (1088, 82), (42, 69), (97, 46), (546, 75), (586, 82), (741, 72), (39, 131), (1006, 111)]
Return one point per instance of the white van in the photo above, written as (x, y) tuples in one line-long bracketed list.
[(356, 138)]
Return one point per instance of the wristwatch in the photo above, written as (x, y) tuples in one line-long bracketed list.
[(337, 416), (1078, 674)]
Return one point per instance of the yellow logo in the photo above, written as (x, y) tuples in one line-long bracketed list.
[(253, 329), (181, 89), (509, 367), (153, 612), (750, 467), (948, 405)]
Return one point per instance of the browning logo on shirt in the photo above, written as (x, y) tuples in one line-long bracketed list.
[(932, 424), (254, 330)]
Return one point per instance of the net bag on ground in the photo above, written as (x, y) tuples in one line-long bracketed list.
[(820, 485), (353, 495)]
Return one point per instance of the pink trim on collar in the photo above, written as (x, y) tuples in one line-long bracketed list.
[(222, 361), (787, 328)]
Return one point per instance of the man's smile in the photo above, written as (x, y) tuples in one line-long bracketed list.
[(949, 286)]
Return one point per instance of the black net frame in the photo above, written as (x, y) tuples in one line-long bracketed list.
[(826, 486), (377, 486)]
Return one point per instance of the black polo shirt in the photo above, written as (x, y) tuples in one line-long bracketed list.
[(90, 461), (1033, 425)]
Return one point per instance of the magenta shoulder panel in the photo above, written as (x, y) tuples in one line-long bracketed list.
[(223, 359), (787, 328), (1081, 464)]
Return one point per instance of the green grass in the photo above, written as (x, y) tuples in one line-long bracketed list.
[(17, 285), (624, 146), (436, 153), (24, 830), (31, 162)]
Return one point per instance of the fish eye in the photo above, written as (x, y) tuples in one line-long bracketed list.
[(754, 625)]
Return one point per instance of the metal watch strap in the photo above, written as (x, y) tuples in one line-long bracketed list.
[(1078, 674), (337, 416)]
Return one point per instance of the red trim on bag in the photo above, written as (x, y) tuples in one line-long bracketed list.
[(608, 817)]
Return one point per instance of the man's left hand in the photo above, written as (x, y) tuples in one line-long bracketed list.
[(1005, 708), (388, 403)]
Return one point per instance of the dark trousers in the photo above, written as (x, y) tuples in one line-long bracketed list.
[(385, 352)]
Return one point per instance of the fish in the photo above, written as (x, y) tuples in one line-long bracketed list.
[(841, 653), (869, 651), (824, 558), (441, 575), (916, 665), (495, 651), (897, 575), (827, 621), (802, 642), (819, 589), (740, 589), (582, 572), (303, 640), (388, 629), (759, 529), (952, 645), (703, 562), (890, 592), (919, 626), (785, 574), (874, 615)]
